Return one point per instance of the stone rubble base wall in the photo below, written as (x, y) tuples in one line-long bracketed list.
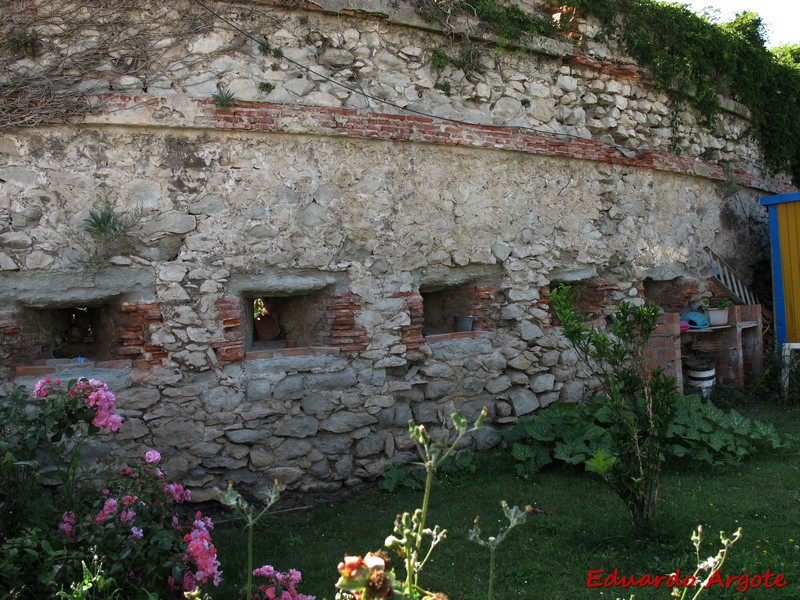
[(560, 169)]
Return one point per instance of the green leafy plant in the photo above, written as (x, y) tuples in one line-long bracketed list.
[(266, 86), (700, 432), (26, 43), (224, 99), (397, 476), (788, 55), (102, 229), (439, 58), (31, 564), (443, 86), (508, 20), (95, 585), (707, 304), (696, 60), (639, 404)]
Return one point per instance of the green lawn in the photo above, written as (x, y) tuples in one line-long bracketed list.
[(580, 526)]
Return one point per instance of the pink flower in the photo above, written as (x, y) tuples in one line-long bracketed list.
[(126, 515), (285, 582), (201, 551), (189, 583), (178, 492), (137, 532), (108, 509), (152, 456), (265, 571), (42, 388), (67, 526), (97, 396)]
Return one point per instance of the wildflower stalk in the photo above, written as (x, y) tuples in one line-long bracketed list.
[(515, 516), (433, 454), (230, 497), (367, 577), (713, 563)]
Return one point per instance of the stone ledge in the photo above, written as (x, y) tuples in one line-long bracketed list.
[(460, 335), (283, 352), (51, 366)]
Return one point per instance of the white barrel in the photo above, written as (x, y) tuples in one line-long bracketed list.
[(701, 378)]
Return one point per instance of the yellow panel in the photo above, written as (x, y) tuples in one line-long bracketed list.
[(789, 232)]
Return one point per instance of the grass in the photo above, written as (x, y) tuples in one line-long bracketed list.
[(579, 525)]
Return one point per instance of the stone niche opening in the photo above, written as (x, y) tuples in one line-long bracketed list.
[(450, 310), (285, 321), (673, 295), (76, 332)]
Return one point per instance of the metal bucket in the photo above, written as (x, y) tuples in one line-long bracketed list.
[(464, 323)]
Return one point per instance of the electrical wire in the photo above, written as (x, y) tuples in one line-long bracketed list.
[(621, 149)]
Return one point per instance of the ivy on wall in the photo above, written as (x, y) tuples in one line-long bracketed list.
[(696, 60), (692, 58)]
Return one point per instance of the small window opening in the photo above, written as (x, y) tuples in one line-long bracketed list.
[(285, 321), (447, 311), (77, 332)]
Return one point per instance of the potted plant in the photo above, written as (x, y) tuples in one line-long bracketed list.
[(717, 311), (265, 321)]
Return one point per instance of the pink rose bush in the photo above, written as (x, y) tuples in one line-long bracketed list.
[(93, 394), (146, 540)]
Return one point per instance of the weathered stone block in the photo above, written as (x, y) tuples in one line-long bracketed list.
[(289, 388), (299, 427), (221, 399), (344, 421), (524, 401), (396, 416), (438, 389)]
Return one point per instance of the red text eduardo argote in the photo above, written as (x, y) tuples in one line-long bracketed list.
[(600, 578)]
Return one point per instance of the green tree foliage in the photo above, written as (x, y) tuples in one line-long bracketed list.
[(788, 55), (639, 405), (696, 60)]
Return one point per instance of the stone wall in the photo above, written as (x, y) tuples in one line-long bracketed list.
[(351, 208)]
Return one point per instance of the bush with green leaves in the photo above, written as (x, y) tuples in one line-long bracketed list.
[(41, 440), (638, 404), (637, 420), (147, 539), (57, 513)]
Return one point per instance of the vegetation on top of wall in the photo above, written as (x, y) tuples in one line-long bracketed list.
[(504, 19), (696, 60), (788, 55), (55, 57), (691, 57), (26, 43)]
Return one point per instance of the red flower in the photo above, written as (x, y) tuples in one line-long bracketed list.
[(350, 565)]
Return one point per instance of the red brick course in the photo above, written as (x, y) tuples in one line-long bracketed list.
[(338, 325), (282, 118)]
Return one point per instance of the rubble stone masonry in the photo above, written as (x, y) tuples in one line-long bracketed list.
[(372, 205)]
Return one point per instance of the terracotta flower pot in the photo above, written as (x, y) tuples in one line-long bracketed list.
[(267, 327)]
